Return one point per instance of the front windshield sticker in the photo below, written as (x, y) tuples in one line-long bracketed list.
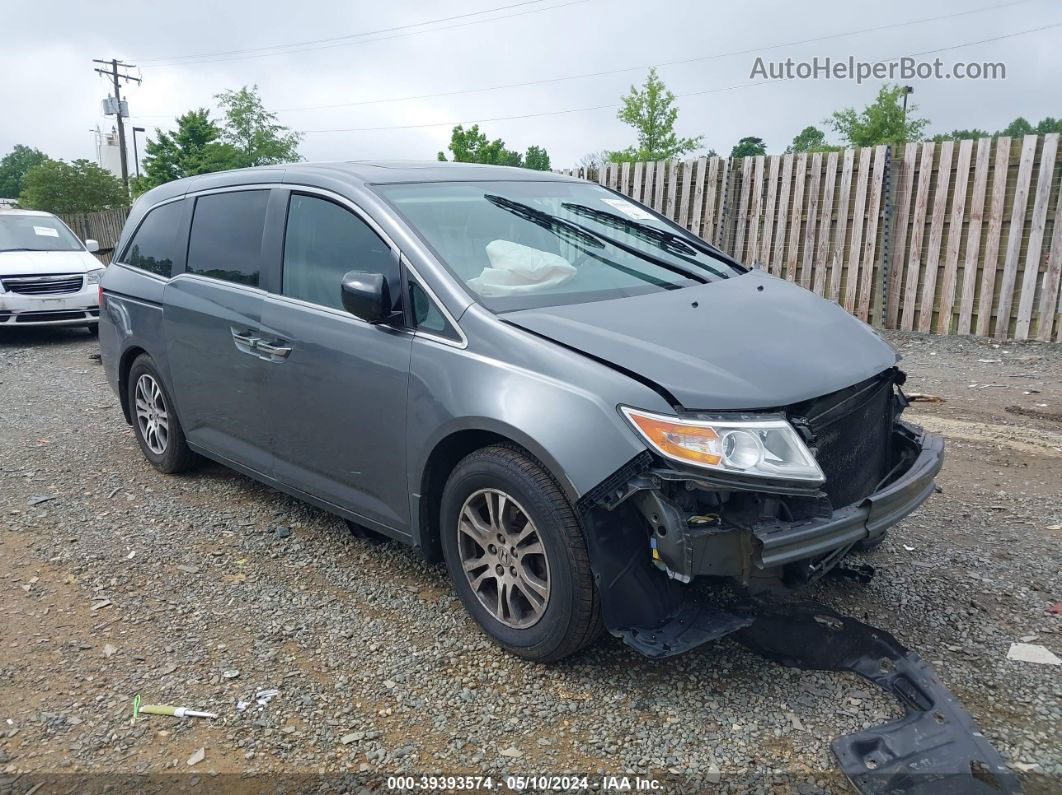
[(628, 209), (46, 231)]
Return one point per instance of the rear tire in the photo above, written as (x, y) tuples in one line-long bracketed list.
[(517, 557), (155, 423)]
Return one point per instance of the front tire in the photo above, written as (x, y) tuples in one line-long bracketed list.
[(517, 557), (155, 423)]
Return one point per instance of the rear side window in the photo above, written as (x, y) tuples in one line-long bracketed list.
[(325, 241), (154, 246), (226, 237)]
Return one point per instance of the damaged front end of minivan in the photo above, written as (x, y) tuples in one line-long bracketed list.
[(659, 522), (655, 525)]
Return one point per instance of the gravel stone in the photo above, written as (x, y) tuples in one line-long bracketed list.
[(379, 669)]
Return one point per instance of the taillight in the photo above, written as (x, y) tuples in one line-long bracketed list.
[(99, 296)]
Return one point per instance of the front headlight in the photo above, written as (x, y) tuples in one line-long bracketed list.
[(768, 448), (93, 276)]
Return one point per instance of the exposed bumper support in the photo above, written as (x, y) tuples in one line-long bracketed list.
[(788, 542)]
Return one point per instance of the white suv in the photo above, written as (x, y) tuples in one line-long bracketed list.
[(47, 276)]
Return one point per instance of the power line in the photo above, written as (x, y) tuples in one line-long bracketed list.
[(622, 70), (682, 95), (366, 41), (696, 59), (340, 38)]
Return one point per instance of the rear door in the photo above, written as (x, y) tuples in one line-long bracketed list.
[(211, 317), (336, 388)]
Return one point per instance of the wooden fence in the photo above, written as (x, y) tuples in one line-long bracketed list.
[(957, 237), (105, 227)]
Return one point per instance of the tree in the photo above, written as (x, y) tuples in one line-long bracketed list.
[(79, 187), (253, 131), (652, 113), (13, 168), (1017, 128), (473, 146), (195, 148), (749, 146), (247, 136), (1049, 124), (881, 122), (810, 139), (536, 158), (962, 135)]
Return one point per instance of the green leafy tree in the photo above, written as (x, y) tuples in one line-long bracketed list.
[(473, 146), (1049, 125), (253, 132), (881, 122), (248, 135), (810, 139), (651, 111), (13, 168), (1017, 128), (536, 158), (194, 148), (962, 135), (78, 187), (749, 146)]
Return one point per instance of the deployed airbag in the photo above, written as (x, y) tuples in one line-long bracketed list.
[(516, 269)]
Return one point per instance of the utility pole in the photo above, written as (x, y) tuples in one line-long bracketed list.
[(907, 91), (136, 154), (115, 76)]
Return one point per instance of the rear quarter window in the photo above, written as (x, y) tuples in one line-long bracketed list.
[(154, 244), (226, 237)]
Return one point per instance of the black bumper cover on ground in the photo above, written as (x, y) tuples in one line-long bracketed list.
[(935, 748)]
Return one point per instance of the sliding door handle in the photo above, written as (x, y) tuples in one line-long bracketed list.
[(246, 339), (280, 351)]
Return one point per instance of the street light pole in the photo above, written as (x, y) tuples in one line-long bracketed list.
[(907, 90), (136, 155)]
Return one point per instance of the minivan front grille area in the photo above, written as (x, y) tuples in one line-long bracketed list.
[(43, 285), (852, 434)]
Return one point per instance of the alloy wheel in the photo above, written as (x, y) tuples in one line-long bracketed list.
[(152, 416), (503, 558)]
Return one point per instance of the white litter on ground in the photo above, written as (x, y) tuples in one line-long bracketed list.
[(1031, 652)]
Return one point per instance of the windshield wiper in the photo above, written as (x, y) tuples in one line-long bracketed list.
[(553, 223), (670, 241), (558, 226), (5, 250)]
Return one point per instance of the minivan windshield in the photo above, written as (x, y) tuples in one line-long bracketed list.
[(520, 245), (35, 233)]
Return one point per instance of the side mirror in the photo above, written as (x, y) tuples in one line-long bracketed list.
[(92, 246), (367, 295)]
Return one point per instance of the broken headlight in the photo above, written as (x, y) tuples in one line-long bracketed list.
[(769, 448)]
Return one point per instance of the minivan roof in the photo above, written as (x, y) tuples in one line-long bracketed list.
[(357, 173)]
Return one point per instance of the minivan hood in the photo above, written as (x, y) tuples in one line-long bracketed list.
[(44, 262), (749, 342)]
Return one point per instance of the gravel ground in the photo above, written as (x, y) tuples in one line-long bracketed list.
[(200, 589)]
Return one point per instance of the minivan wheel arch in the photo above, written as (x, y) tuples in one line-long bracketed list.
[(445, 455), (125, 364)]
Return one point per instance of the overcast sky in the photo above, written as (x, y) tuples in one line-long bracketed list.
[(50, 96)]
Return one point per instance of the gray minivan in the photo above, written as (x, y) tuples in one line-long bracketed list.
[(577, 404)]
